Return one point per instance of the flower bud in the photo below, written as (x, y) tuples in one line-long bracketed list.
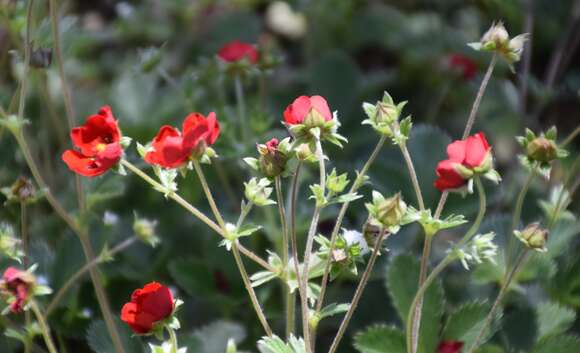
[(496, 37), (272, 160), (533, 236), (371, 232), (336, 183), (258, 191), (9, 244), (390, 211), (542, 149), (145, 230), (304, 153), (21, 191), (17, 285)]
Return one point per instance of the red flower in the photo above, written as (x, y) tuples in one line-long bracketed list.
[(149, 305), (465, 157), (98, 142), (302, 106), (18, 285), (236, 51), (449, 347), (272, 145), (463, 64), (171, 149)]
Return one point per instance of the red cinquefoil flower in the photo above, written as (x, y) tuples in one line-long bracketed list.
[(18, 285), (235, 51), (466, 157), (149, 305), (464, 65), (172, 149), (449, 347), (99, 143), (304, 107)]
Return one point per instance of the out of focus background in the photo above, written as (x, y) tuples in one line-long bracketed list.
[(154, 61)]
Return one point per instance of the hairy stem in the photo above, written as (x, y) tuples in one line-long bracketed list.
[(503, 290), (74, 278), (235, 250), (422, 276), (43, 327), (413, 175), (308, 250), (358, 293), (173, 340), (355, 185)]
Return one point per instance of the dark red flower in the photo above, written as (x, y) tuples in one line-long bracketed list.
[(17, 284), (464, 65), (151, 304), (99, 143), (464, 158), (236, 51), (450, 347), (302, 106), (272, 145), (172, 149)]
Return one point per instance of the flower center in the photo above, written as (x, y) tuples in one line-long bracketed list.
[(101, 147)]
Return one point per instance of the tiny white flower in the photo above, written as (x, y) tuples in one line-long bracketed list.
[(355, 237)]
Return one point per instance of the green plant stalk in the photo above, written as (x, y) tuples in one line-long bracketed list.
[(194, 211), (25, 263), (27, 50), (518, 213), (308, 250), (502, 292), (354, 187), (570, 137), (358, 293), (82, 235), (43, 327), (173, 340), (235, 250), (413, 337), (290, 302), (75, 277), (470, 122), (413, 175)]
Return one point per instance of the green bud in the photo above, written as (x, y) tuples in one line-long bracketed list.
[(336, 183), (304, 153), (145, 230), (272, 160), (259, 191), (533, 236), (390, 211), (542, 149)]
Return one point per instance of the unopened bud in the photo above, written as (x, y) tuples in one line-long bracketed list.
[(533, 236), (542, 149), (390, 211), (145, 230), (497, 36), (304, 153), (272, 160)]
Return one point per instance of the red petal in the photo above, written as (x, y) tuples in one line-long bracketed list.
[(100, 128), (448, 177), (236, 51), (321, 106), (83, 165), (297, 111), (475, 150), (456, 151)]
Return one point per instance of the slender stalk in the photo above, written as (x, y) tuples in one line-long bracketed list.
[(43, 327), (82, 235), (250, 289), (413, 175), (518, 212), (27, 50), (413, 336), (571, 137), (308, 250), (244, 213), (479, 96), (241, 103), (173, 340), (235, 251), (423, 269), (420, 293), (25, 262), (289, 296), (74, 278), (355, 185), (470, 122), (503, 290), (526, 56), (358, 293)]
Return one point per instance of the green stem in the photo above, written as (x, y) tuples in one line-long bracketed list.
[(358, 293), (43, 327), (173, 339), (241, 103), (289, 296), (293, 240), (89, 265), (503, 290), (422, 276), (570, 137), (413, 175), (412, 336), (355, 185), (308, 250), (209, 196), (518, 213)]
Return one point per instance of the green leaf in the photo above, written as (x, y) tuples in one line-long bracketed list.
[(402, 284), (466, 321), (380, 339), (276, 345), (333, 309), (215, 336), (193, 276), (99, 339), (557, 344), (553, 319)]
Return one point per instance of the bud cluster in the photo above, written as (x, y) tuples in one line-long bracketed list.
[(541, 149), (384, 118)]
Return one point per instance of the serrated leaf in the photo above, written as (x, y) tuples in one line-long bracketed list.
[(558, 344), (402, 284), (553, 319), (276, 345), (466, 321), (380, 339), (333, 309)]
